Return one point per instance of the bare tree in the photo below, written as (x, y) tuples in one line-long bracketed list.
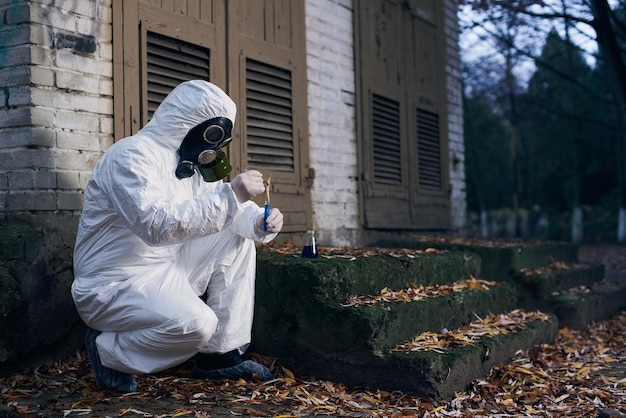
[(585, 21)]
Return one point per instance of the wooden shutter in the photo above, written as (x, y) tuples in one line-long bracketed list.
[(430, 201), (255, 51), (156, 46), (267, 66), (401, 122), (382, 116), (169, 62)]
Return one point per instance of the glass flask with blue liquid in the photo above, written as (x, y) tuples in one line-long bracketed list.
[(310, 247)]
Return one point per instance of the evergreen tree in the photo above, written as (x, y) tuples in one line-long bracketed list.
[(487, 156), (555, 125)]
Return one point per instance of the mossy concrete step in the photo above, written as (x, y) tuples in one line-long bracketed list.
[(436, 374), (440, 375), (300, 317), (392, 323), (499, 259), (285, 324), (580, 306), (299, 301), (539, 284), (364, 272)]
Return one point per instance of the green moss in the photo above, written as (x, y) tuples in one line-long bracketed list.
[(12, 313), (335, 278), (500, 261)]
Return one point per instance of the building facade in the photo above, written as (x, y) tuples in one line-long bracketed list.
[(353, 106)]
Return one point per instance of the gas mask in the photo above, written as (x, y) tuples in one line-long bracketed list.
[(201, 150)]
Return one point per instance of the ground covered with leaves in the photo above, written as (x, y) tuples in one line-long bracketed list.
[(582, 373), (579, 375), (612, 256)]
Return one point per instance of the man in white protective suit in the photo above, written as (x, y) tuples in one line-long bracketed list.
[(165, 255)]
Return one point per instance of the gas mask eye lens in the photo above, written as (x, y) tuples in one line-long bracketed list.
[(213, 134), (207, 156)]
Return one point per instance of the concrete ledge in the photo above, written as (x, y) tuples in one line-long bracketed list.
[(429, 374), (337, 277), (499, 260), (578, 310), (541, 286)]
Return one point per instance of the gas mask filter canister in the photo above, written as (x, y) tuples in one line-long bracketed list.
[(201, 149)]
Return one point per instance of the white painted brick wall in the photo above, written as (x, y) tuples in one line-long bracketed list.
[(331, 74), (57, 104), (458, 197)]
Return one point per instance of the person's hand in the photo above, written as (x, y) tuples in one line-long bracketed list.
[(274, 221), (247, 185)]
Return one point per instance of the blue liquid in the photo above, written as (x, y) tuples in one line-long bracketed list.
[(309, 251), (267, 213)]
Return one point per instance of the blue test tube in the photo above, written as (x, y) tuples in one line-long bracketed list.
[(267, 213)]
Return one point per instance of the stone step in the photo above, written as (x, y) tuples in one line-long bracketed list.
[(434, 372), (343, 315), (340, 272), (576, 293), (300, 305), (309, 316), (538, 269), (500, 259), (540, 283), (580, 306), (440, 373)]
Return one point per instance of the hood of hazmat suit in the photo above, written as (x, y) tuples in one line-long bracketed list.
[(138, 214)]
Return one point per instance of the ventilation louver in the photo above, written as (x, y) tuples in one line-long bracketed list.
[(170, 62), (428, 150), (386, 141), (269, 117)]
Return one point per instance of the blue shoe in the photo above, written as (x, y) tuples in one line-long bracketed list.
[(245, 369), (108, 379)]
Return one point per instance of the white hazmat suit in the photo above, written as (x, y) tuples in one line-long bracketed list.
[(150, 244)]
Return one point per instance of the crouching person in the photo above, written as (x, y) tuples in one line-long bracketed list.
[(165, 255)]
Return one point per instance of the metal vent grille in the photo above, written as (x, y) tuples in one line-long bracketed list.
[(170, 62), (429, 150), (269, 117), (386, 141)]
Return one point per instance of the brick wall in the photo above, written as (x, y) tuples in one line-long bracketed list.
[(56, 107), (331, 92), (458, 198)]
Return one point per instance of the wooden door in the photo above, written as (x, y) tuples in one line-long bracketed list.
[(401, 110)]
